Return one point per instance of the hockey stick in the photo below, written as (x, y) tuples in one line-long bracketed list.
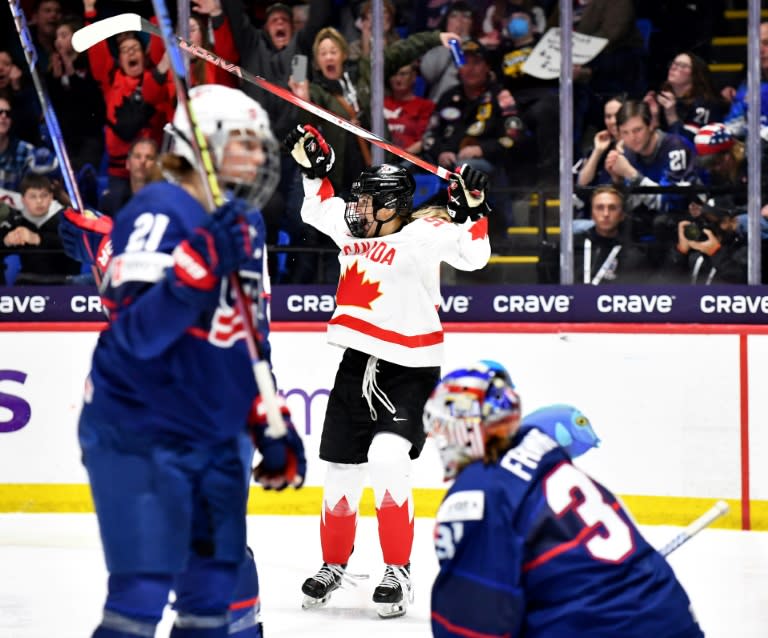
[(30, 53), (91, 34), (707, 518), (261, 369)]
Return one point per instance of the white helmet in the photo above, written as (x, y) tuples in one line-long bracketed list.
[(224, 113)]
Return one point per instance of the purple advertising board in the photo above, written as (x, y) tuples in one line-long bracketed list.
[(480, 303)]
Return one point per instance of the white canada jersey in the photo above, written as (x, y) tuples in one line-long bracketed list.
[(389, 289)]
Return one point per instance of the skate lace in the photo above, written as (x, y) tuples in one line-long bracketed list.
[(396, 577), (330, 573), (371, 388)]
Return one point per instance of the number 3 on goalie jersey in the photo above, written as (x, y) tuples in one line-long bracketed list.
[(615, 542), (148, 230)]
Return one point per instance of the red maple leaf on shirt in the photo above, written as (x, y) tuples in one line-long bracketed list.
[(355, 290), (479, 230)]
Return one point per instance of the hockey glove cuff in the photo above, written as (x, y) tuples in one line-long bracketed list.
[(85, 237)]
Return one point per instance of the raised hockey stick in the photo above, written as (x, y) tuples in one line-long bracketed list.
[(707, 518), (51, 121), (261, 369), (91, 34)]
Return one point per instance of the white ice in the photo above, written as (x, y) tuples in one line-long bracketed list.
[(52, 579)]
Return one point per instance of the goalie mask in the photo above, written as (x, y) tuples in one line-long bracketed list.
[(245, 153), (378, 187), (565, 424), (468, 408)]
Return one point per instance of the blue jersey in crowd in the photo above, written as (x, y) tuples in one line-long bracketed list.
[(531, 546), (202, 385)]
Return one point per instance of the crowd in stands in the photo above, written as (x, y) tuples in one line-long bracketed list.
[(635, 126)]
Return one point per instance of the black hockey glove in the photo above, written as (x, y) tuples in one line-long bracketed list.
[(466, 194), (310, 150), (283, 461)]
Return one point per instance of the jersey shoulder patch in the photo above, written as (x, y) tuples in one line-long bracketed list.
[(467, 505)]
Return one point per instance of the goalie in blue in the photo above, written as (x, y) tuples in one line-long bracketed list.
[(171, 410), (528, 544)]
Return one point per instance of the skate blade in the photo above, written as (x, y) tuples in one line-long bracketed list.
[(314, 603), (391, 610)]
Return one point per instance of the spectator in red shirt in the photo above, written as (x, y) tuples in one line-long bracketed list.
[(407, 114), (139, 98)]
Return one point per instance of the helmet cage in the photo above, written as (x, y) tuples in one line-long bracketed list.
[(466, 409), (389, 187)]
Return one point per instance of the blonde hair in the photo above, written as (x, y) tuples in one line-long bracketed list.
[(441, 212), (329, 33)]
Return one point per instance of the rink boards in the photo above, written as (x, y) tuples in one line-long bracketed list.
[(680, 410)]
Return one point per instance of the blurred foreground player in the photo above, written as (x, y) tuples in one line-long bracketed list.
[(171, 409), (528, 544)]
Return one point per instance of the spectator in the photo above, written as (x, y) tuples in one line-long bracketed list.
[(372, 424), (724, 160), (361, 48), (528, 544), (687, 100), (18, 156), (139, 99), (43, 21), (620, 66), (736, 119), (206, 13), (34, 232), (711, 248), (468, 127), (300, 15), (406, 114), (20, 92), (648, 157), (76, 98), (536, 100), (590, 170), (140, 163), (268, 51), (605, 253), (437, 67)]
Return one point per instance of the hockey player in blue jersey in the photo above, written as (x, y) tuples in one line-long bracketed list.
[(528, 544), (171, 409)]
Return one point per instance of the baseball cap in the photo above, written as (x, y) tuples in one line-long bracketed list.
[(473, 47), (713, 138), (278, 6)]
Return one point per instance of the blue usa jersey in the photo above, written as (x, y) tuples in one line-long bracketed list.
[(163, 364), (532, 547)]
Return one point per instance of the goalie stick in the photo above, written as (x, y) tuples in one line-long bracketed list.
[(707, 518), (91, 34), (51, 121), (261, 369)]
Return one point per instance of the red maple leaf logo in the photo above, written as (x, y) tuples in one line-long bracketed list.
[(479, 230), (355, 290)]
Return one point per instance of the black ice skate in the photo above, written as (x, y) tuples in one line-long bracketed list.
[(318, 588), (394, 592)]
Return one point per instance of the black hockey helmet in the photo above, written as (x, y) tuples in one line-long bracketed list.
[(389, 186)]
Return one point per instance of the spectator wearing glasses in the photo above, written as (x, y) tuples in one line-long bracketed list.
[(18, 156), (687, 100)]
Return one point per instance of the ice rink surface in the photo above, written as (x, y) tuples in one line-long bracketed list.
[(52, 579)]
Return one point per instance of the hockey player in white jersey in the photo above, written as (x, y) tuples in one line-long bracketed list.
[(386, 319)]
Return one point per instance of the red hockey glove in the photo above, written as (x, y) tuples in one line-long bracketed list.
[(310, 150), (85, 237), (466, 194), (283, 461)]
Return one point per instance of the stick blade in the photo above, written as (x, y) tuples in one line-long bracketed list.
[(83, 39)]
